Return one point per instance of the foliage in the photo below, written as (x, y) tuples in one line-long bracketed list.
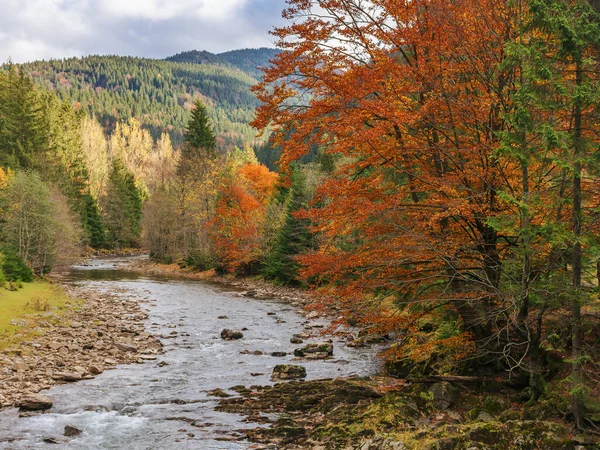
[(294, 237), (462, 189), (159, 94), (122, 208), (30, 228), (248, 60), (199, 134), (240, 214), (14, 268)]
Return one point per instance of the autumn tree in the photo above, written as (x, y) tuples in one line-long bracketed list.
[(196, 173), (236, 228)]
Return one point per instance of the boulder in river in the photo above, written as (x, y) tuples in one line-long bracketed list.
[(320, 349), (288, 372), (71, 431), (228, 334), (35, 402)]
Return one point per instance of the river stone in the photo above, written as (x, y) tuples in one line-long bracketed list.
[(67, 376), (296, 340), (444, 395), (288, 372), (231, 334), (71, 431), (218, 393), (35, 402), (96, 369), (323, 349), (126, 347)]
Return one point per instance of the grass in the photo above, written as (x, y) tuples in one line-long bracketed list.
[(22, 310)]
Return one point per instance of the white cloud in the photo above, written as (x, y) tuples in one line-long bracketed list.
[(161, 10), (44, 29)]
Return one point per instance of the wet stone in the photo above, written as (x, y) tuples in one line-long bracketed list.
[(71, 431), (228, 334), (288, 372)]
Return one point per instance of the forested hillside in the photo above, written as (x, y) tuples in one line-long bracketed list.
[(160, 93), (248, 60)]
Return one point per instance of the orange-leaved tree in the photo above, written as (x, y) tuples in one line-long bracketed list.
[(413, 95), (236, 229)]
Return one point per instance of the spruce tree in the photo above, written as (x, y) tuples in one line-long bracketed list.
[(198, 133), (294, 237)]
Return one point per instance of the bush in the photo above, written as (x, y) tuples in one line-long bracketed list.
[(200, 260)]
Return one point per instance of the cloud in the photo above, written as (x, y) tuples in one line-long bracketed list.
[(44, 29)]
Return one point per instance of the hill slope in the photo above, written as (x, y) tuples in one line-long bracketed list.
[(160, 93), (248, 60)]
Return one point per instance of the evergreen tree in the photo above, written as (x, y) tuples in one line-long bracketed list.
[(123, 208), (198, 133), (294, 238), (92, 222)]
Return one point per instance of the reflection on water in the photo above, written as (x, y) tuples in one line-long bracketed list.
[(163, 404)]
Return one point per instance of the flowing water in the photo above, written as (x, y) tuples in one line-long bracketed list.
[(151, 405)]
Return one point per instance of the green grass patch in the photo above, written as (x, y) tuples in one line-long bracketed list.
[(21, 311)]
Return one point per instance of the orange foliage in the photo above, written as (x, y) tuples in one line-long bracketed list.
[(413, 97), (240, 214)]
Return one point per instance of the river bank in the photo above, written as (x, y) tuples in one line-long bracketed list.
[(254, 287), (93, 332), (380, 413)]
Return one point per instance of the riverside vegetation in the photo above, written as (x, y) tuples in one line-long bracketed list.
[(437, 190)]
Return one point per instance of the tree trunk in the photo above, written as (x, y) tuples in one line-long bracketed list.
[(577, 338)]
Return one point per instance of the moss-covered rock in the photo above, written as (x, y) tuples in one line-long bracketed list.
[(444, 394), (288, 372)]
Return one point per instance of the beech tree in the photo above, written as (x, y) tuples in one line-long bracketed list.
[(455, 127)]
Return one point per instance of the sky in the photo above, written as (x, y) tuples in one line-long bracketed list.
[(45, 29)]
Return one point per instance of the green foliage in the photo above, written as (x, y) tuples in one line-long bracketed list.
[(39, 132), (294, 238), (200, 260), (92, 222), (14, 268), (198, 133), (123, 208), (248, 60), (30, 228), (158, 93), (23, 125), (2, 276)]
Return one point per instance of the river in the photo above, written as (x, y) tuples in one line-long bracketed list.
[(152, 405)]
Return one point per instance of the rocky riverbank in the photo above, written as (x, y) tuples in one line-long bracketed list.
[(96, 332), (380, 413)]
